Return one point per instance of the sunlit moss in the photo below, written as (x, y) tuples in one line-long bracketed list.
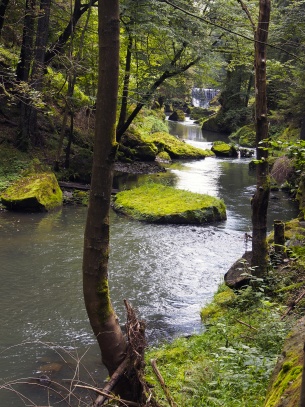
[(162, 204), (38, 191)]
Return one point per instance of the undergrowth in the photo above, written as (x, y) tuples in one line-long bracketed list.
[(231, 362)]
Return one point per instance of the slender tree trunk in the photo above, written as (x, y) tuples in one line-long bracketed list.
[(261, 197), (38, 63), (26, 52), (101, 314), (168, 74), (3, 7), (123, 112)]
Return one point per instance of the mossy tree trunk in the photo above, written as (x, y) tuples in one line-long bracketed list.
[(261, 197), (101, 314)]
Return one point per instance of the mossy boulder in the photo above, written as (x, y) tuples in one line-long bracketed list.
[(175, 148), (285, 383), (134, 147), (157, 203), (222, 149), (245, 136), (35, 192), (177, 116)]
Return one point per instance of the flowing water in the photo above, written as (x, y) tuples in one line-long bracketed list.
[(167, 272)]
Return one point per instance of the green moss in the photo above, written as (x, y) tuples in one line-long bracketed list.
[(162, 204), (105, 308), (288, 379), (34, 192), (175, 148), (245, 136), (222, 149)]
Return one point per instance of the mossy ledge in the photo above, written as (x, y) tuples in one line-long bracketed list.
[(36, 192), (157, 203)]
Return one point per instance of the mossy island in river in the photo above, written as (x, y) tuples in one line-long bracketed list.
[(157, 203)]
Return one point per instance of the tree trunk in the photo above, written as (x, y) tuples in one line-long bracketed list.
[(102, 317), (261, 197), (26, 52), (125, 93), (3, 7), (38, 63)]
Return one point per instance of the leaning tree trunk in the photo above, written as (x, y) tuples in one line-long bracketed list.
[(102, 317), (261, 197)]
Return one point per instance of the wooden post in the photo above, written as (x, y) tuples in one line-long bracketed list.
[(279, 236)]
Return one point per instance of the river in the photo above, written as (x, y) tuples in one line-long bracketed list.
[(167, 272)]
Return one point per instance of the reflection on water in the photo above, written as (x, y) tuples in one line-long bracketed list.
[(167, 272)]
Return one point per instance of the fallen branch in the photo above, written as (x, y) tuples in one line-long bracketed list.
[(293, 304), (105, 393), (247, 325), (108, 396), (170, 400)]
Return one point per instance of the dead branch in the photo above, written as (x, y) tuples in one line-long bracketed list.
[(108, 396), (293, 304), (170, 400), (105, 393), (247, 325)]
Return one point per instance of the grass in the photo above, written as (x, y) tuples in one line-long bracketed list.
[(231, 362)]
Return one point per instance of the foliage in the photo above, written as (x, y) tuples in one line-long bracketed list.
[(232, 359), (163, 204), (13, 162)]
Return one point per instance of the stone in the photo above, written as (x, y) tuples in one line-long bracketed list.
[(37, 192), (222, 149), (236, 277)]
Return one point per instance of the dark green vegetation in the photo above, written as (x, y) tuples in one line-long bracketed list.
[(161, 204), (232, 361)]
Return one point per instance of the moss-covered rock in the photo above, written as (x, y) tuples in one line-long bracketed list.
[(134, 147), (221, 149), (161, 204), (177, 116), (35, 192), (245, 136), (176, 149), (284, 389)]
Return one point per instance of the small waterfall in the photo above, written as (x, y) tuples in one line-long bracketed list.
[(201, 97)]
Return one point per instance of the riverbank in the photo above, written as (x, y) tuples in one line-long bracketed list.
[(238, 361)]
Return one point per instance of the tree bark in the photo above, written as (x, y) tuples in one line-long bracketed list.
[(101, 314), (125, 93), (3, 7), (26, 52), (261, 197)]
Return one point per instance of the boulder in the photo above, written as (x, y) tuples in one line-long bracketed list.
[(157, 203), (177, 116), (36, 193), (236, 277), (222, 149)]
